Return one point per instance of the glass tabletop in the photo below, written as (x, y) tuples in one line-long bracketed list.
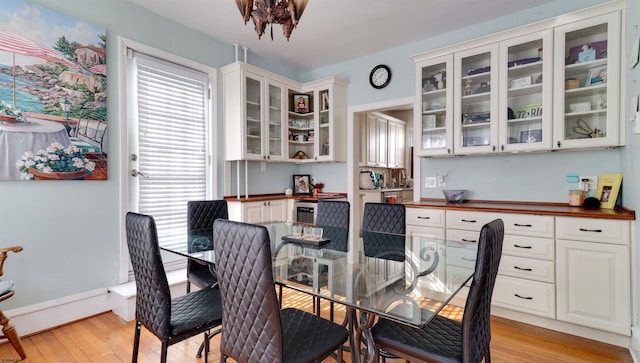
[(401, 277)]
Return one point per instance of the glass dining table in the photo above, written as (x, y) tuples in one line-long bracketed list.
[(404, 278)]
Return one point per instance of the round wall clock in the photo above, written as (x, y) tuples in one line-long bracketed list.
[(380, 76)]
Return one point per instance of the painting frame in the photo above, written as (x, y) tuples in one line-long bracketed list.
[(529, 136), (301, 103), (596, 75), (608, 191), (301, 184)]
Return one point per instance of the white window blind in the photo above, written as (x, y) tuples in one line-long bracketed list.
[(172, 144)]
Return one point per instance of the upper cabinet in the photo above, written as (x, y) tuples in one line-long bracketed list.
[(587, 83), (538, 88), (271, 118), (383, 141)]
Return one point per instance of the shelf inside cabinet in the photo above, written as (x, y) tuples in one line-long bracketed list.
[(436, 111), (586, 113), (476, 124), (525, 90), (525, 69), (587, 90), (437, 93), (524, 120)]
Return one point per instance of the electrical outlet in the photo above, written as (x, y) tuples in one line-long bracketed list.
[(592, 182), (430, 182)]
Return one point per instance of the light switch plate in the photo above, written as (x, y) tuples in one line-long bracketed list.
[(430, 182)]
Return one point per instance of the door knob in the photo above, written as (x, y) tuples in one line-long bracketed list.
[(135, 173)]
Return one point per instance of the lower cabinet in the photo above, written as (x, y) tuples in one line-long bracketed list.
[(256, 212), (571, 269)]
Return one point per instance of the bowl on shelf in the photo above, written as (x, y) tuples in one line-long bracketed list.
[(454, 195)]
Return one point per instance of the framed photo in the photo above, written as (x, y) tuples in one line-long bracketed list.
[(608, 190), (597, 75), (428, 122), (301, 184), (301, 103), (531, 136)]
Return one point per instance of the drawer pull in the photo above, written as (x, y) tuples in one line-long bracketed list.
[(526, 247), (590, 230), (469, 220), (468, 259), (420, 217), (469, 240), (522, 269), (523, 297), (522, 225)]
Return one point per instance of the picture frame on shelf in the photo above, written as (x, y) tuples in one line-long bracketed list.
[(596, 75), (521, 82), (301, 184), (528, 136), (301, 103), (325, 101), (608, 191), (428, 122)]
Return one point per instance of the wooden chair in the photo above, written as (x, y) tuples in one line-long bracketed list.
[(254, 329), (6, 291), (445, 340)]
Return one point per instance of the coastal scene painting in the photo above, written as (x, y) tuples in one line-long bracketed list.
[(53, 96)]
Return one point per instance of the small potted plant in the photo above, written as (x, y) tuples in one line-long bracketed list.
[(9, 114), (56, 162)]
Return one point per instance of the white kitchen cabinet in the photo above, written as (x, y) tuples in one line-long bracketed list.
[(385, 141), (254, 117), (475, 118), (259, 211), (593, 277), (526, 85), (434, 106), (396, 145), (587, 89)]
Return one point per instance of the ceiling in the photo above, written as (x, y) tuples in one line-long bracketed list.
[(334, 31)]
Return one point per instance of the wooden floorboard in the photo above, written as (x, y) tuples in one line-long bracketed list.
[(106, 338)]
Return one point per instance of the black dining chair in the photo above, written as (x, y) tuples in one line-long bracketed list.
[(171, 320), (383, 229), (254, 329), (333, 218), (200, 217), (443, 339)]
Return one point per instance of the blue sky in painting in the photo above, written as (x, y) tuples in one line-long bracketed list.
[(43, 26)]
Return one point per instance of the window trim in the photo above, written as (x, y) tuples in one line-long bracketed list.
[(212, 174)]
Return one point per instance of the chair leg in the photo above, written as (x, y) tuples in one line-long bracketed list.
[(188, 287), (163, 353), (136, 343), (206, 347), (11, 334), (487, 356)]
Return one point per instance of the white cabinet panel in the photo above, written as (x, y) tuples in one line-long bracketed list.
[(425, 217), (532, 297), (527, 268), (530, 247), (593, 230)]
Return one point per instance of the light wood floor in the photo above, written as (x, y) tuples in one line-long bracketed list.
[(106, 338)]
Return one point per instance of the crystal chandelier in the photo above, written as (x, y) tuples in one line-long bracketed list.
[(263, 12)]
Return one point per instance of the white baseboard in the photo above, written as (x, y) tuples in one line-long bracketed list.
[(119, 299), (635, 343)]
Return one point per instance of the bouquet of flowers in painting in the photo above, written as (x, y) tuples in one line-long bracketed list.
[(56, 162), (9, 114)]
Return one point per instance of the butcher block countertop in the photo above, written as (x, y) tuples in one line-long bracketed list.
[(552, 209)]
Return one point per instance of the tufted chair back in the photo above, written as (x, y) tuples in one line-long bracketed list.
[(390, 220), (251, 326), (476, 328), (333, 217)]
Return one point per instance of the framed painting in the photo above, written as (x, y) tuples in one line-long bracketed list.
[(53, 97), (301, 184)]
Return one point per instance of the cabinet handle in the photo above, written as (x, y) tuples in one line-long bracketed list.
[(448, 151), (420, 217), (493, 148), (469, 240), (526, 247), (502, 147), (469, 220), (590, 230), (523, 297), (468, 259), (558, 143), (522, 269), (522, 225)]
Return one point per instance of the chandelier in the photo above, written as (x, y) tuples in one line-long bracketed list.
[(263, 12)]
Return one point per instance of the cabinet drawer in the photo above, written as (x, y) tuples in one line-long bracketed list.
[(462, 236), (593, 230), (528, 225), (527, 268), (471, 221), (461, 257), (532, 247), (531, 297), (429, 232), (425, 217)]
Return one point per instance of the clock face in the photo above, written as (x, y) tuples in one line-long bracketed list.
[(380, 76)]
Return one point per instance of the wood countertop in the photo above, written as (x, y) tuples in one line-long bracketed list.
[(552, 209), (263, 197)]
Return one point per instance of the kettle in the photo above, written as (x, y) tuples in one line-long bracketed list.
[(367, 179)]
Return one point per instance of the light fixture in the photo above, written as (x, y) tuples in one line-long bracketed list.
[(66, 107), (263, 12)]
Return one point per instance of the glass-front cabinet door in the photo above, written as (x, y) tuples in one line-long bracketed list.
[(526, 92), (434, 108), (475, 101), (324, 125), (587, 89), (274, 133), (253, 101)]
